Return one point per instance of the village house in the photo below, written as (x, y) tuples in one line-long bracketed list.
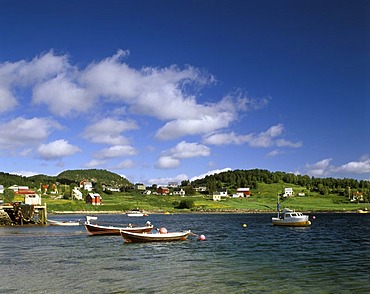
[(140, 187), (200, 189), (178, 191), (32, 199), (1, 189), (86, 185), (93, 198), (288, 192), (163, 190), (243, 192), (218, 194), (172, 185), (77, 194)]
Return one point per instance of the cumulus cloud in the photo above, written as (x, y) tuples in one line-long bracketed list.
[(183, 150), (165, 181), (108, 131), (115, 151), (168, 94), (356, 167), (127, 163), (320, 168), (263, 139), (324, 168), (22, 132), (57, 149)]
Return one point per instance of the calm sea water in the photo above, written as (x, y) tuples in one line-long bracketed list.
[(331, 256)]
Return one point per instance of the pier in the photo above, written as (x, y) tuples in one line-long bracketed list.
[(18, 213)]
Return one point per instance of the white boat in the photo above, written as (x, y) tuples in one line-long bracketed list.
[(63, 223), (291, 218), (136, 212), (130, 237)]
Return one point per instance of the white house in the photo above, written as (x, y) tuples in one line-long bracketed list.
[(288, 192), (32, 199), (216, 196), (86, 185), (178, 191), (77, 194), (1, 189)]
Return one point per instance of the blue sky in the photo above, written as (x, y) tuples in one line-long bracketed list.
[(161, 91)]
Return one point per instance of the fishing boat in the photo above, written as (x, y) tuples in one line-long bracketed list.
[(63, 223), (136, 212), (95, 229), (291, 218), (130, 237)]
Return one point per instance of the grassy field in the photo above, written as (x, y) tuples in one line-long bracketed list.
[(263, 199)]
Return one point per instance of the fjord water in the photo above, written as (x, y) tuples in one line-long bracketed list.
[(331, 256)]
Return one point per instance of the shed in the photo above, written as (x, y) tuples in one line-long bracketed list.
[(93, 198)]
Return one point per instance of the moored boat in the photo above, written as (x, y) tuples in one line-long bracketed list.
[(130, 237), (291, 218), (63, 223), (136, 212), (94, 229)]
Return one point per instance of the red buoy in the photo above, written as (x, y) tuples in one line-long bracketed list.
[(202, 237), (163, 231)]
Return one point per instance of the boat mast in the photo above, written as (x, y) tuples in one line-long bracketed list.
[(278, 206)]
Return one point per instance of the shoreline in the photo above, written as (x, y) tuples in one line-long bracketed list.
[(199, 212)]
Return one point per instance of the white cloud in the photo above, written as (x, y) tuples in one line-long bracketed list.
[(199, 126), (171, 158), (286, 143), (63, 97), (356, 167), (263, 139), (189, 150), (57, 149), (274, 153), (320, 168), (211, 172), (167, 162), (165, 181), (116, 151), (323, 168), (108, 131), (168, 94), (127, 163), (95, 163), (22, 132)]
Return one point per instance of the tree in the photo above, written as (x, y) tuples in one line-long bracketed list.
[(8, 196)]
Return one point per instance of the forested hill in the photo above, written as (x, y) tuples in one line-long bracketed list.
[(93, 175), (66, 177), (251, 178)]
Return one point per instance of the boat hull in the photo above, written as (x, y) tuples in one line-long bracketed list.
[(291, 223), (130, 237), (111, 230), (62, 223)]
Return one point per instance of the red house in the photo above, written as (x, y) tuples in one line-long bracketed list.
[(163, 190), (93, 198)]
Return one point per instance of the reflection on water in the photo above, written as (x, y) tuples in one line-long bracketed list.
[(331, 256)]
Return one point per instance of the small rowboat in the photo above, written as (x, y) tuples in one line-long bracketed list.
[(130, 237), (112, 230), (63, 223)]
